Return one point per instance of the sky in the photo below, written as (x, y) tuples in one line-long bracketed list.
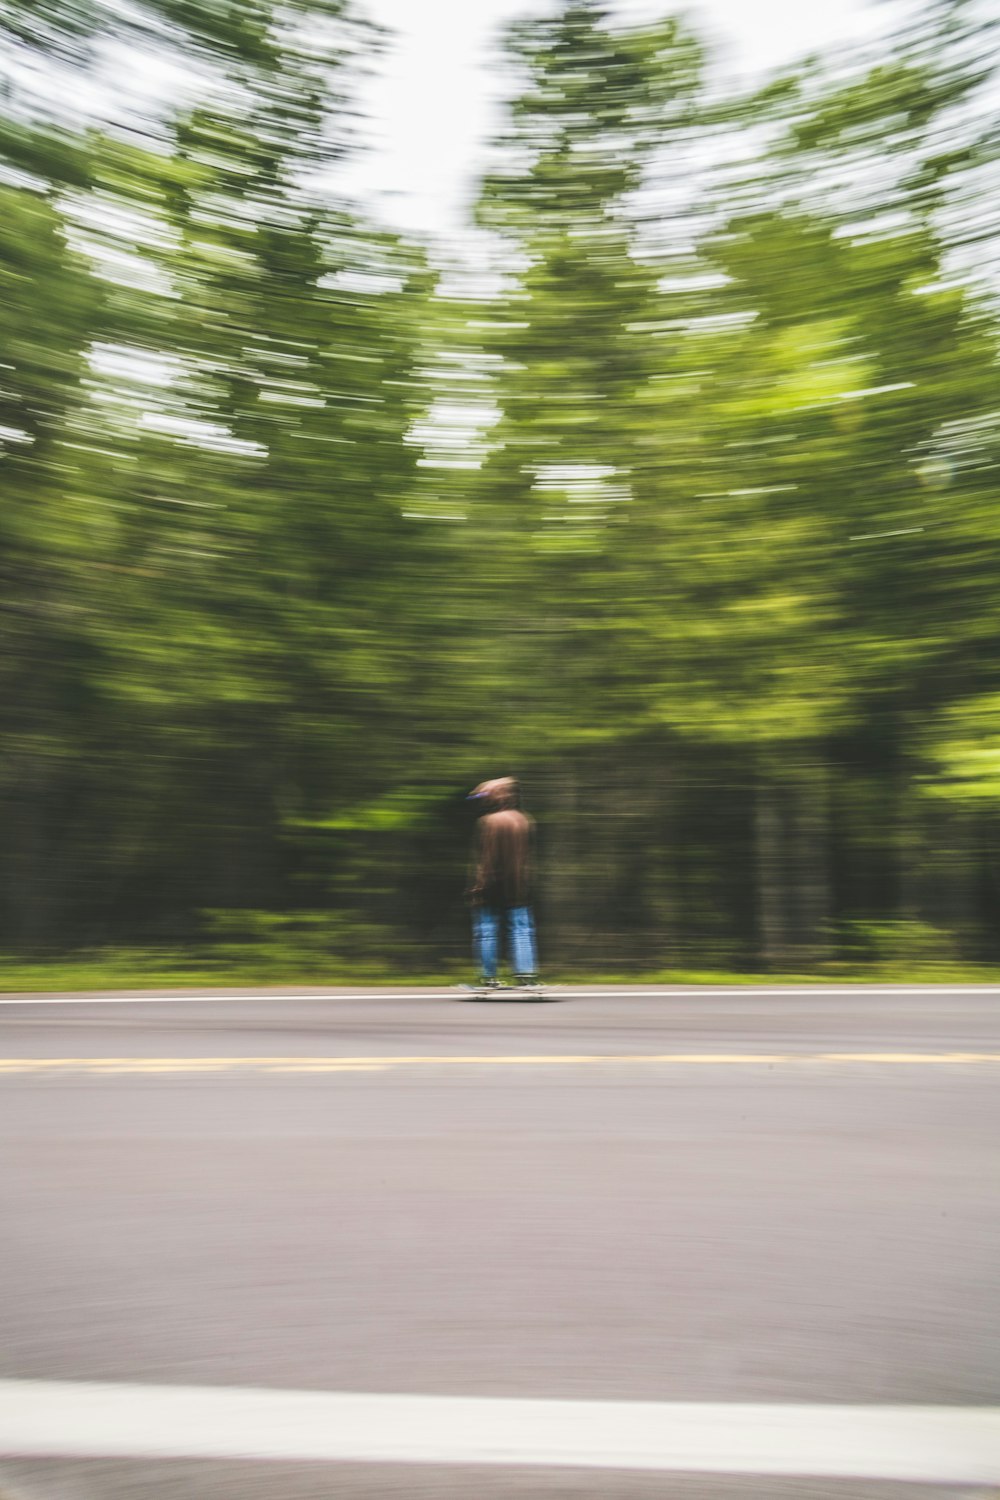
[(437, 98)]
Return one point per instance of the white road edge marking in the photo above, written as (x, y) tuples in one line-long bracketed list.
[(584, 992), (920, 1444)]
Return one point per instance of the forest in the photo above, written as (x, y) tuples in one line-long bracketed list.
[(678, 498)]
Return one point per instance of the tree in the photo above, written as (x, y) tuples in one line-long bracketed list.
[(230, 452)]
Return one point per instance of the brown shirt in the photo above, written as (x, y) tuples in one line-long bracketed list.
[(503, 859)]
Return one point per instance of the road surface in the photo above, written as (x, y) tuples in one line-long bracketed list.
[(745, 1240)]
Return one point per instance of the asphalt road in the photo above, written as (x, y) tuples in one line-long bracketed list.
[(623, 1196)]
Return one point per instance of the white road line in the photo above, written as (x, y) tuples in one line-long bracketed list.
[(113, 1066), (922, 1444), (209, 998), (816, 991)]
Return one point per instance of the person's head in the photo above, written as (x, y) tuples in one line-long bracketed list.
[(502, 791)]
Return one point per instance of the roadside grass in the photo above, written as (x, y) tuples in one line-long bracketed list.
[(154, 969)]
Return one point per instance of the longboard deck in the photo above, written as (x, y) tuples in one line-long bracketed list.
[(510, 992)]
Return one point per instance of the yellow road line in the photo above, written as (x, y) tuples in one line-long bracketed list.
[(381, 1064)]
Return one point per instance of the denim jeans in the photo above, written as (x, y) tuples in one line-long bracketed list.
[(520, 938)]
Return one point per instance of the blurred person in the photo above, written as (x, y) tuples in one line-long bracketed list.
[(500, 887)]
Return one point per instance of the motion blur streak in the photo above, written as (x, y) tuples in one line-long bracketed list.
[(893, 1442), (675, 498)]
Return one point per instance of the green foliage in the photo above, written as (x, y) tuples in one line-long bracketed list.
[(963, 751), (693, 522), (898, 947), (320, 943)]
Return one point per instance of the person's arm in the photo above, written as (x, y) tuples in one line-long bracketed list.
[(478, 863)]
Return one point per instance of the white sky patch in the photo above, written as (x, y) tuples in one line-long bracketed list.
[(582, 484), (438, 96), (136, 366), (125, 244), (703, 281), (557, 476), (877, 390), (122, 267), (363, 281), (115, 217), (454, 432), (454, 435), (285, 393), (200, 434)]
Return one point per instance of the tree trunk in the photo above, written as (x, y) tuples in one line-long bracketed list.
[(560, 893), (772, 904), (792, 818), (812, 889)]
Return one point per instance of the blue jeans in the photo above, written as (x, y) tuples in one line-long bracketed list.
[(520, 938)]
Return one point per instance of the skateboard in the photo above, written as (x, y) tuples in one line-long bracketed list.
[(506, 991)]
